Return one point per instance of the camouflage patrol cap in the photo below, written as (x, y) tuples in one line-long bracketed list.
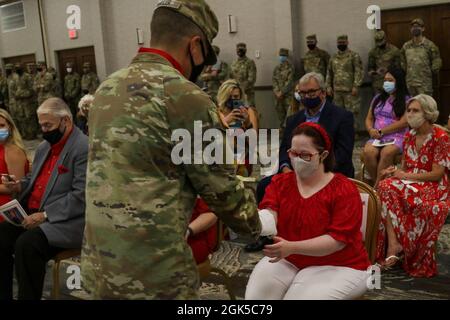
[(69, 65), (241, 45), (17, 65), (200, 13), (41, 63), (284, 52), (418, 21), (86, 65), (31, 64), (311, 38), (343, 37), (9, 66), (380, 36)]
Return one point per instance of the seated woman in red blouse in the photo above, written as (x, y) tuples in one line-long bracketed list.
[(415, 198), (317, 215), (202, 232)]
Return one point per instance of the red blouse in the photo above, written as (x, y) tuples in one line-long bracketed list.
[(335, 210), (5, 198)]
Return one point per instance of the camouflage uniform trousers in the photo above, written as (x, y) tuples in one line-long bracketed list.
[(250, 94), (73, 105), (27, 121), (349, 102), (282, 107), (415, 90)]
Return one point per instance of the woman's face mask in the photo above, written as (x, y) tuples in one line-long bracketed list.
[(415, 120), (305, 169), (4, 134)]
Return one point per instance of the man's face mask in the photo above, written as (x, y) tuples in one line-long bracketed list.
[(197, 70), (241, 52), (311, 46), (54, 136), (342, 47), (69, 70), (416, 31), (382, 45), (19, 71)]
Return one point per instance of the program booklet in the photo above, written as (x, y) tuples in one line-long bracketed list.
[(13, 213), (383, 143)]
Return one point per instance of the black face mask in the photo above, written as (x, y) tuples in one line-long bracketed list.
[(241, 53), (54, 136), (19, 72), (311, 46), (8, 73), (39, 69), (197, 70), (416, 32), (342, 47)]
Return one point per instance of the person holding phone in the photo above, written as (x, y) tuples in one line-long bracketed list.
[(13, 157), (386, 121)]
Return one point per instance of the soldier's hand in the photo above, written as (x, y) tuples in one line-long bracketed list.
[(355, 92)]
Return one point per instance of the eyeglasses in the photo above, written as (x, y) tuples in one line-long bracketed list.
[(302, 155), (311, 93)]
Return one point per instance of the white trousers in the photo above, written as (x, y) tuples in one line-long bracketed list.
[(284, 281)]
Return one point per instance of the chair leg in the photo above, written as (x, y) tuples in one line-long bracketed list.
[(227, 282), (55, 289)]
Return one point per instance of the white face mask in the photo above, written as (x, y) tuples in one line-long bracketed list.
[(305, 169), (415, 121), (69, 70), (298, 97)]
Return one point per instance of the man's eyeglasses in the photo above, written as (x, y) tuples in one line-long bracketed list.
[(310, 93), (302, 155)]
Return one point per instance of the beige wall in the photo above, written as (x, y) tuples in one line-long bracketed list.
[(24, 41)]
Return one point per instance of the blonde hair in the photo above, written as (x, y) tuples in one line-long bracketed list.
[(428, 105), (14, 137), (224, 94)]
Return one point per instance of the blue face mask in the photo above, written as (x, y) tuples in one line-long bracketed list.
[(4, 134), (389, 87), (283, 59)]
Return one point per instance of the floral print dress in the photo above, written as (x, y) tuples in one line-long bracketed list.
[(417, 210)]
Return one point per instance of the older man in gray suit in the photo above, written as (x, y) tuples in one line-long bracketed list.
[(53, 194)]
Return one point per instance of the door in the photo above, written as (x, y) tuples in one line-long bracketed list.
[(78, 57), (396, 23), (29, 58)]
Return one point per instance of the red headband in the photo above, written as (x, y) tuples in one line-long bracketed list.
[(322, 132)]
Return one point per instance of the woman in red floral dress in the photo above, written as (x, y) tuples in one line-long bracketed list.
[(415, 201)]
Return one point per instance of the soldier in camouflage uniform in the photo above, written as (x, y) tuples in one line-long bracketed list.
[(89, 80), (32, 70), (138, 201), (11, 79), (345, 77), (72, 89), (244, 71), (25, 111), (214, 76), (383, 56), (44, 84), (3, 91), (421, 60), (283, 85), (315, 60), (57, 90)]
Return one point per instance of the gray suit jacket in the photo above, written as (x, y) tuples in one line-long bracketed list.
[(64, 197)]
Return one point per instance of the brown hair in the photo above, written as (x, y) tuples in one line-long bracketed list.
[(319, 143)]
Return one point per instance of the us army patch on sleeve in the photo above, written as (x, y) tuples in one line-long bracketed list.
[(169, 3)]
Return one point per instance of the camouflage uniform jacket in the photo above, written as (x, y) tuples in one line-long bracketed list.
[(345, 71), (3, 91), (139, 202), (72, 86), (383, 59), (90, 82), (283, 78), (244, 71), (316, 61), (421, 61), (44, 86), (213, 83)]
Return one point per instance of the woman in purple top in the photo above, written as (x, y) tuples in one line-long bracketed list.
[(386, 122)]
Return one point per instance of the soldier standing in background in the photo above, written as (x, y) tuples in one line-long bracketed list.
[(315, 60), (345, 77), (381, 58), (11, 79), (3, 91), (138, 201), (25, 111), (283, 86), (32, 70), (89, 80), (44, 83), (421, 60), (72, 89), (215, 75), (243, 70), (57, 87)]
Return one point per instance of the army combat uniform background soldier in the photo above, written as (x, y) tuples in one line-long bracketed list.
[(315, 60), (3, 91), (25, 110), (215, 75), (44, 84), (421, 60), (283, 85), (381, 58), (11, 79), (345, 77), (89, 80), (244, 71), (138, 200), (72, 89)]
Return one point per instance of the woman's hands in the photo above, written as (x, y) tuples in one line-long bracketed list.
[(279, 250), (237, 115)]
